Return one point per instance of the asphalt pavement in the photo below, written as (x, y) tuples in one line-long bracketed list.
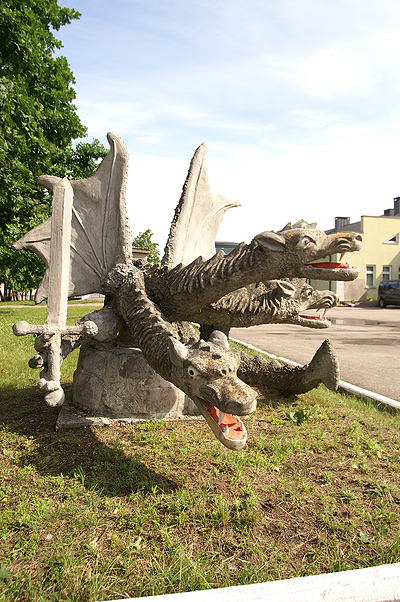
[(366, 340)]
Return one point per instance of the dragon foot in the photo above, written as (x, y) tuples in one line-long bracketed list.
[(323, 368)]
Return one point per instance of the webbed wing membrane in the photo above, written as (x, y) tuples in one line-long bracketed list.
[(198, 216), (100, 230)]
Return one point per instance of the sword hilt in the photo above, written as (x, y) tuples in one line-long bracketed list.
[(52, 335), (23, 328)]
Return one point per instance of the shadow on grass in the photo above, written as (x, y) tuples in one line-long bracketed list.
[(273, 398), (103, 466)]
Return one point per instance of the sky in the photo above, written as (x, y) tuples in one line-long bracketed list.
[(298, 100)]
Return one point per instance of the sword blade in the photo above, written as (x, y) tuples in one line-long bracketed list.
[(59, 266), (59, 261)]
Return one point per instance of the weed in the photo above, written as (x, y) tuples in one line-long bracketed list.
[(298, 417)]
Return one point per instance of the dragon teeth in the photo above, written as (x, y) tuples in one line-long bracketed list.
[(221, 417), (323, 314), (347, 263), (226, 430)]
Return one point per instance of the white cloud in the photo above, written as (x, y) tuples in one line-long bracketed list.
[(314, 183), (116, 116), (154, 189), (332, 72)]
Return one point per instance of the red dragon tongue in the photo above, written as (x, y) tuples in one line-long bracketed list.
[(321, 318), (331, 264), (230, 425)]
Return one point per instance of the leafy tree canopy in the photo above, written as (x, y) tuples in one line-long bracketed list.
[(144, 241), (38, 122)]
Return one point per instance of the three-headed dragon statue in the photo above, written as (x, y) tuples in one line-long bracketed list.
[(156, 305)]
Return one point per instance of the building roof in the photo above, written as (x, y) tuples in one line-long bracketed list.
[(342, 224)]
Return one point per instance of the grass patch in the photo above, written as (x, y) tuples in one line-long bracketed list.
[(28, 302), (161, 507)]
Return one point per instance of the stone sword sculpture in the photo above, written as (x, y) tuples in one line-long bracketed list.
[(55, 328)]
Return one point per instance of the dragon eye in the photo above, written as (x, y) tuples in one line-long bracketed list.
[(304, 242), (192, 371), (308, 292)]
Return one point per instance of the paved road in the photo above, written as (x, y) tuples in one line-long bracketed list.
[(367, 341)]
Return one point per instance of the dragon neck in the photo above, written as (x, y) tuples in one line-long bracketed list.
[(242, 308), (209, 274), (151, 332), (184, 289)]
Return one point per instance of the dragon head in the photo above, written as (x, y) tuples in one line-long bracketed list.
[(293, 298), (295, 249), (207, 373)]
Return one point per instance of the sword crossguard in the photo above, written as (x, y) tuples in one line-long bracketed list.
[(23, 328)]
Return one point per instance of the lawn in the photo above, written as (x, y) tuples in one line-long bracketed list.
[(161, 507)]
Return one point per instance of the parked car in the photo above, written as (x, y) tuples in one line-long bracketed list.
[(389, 293)]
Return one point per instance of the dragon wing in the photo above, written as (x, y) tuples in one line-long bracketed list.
[(100, 230), (198, 216)]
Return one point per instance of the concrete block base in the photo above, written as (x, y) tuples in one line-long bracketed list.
[(118, 383)]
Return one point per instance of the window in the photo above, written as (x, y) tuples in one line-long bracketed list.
[(370, 276), (386, 272), (394, 240)]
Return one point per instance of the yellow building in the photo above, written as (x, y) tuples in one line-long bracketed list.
[(379, 258)]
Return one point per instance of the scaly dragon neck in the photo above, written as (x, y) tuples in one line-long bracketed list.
[(182, 290), (150, 331)]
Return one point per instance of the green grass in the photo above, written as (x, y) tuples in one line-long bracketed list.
[(27, 302), (15, 352), (161, 507)]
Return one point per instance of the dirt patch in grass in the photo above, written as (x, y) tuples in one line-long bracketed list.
[(162, 507)]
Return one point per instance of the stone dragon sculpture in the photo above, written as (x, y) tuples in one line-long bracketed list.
[(193, 283), (205, 371)]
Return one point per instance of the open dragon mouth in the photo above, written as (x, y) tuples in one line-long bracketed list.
[(331, 265), (330, 270), (228, 429), (319, 321)]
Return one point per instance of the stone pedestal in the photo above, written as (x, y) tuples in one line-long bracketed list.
[(117, 382)]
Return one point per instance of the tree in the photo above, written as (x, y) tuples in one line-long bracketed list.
[(143, 241), (79, 161), (38, 123)]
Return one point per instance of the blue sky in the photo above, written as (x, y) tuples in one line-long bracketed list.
[(299, 101)]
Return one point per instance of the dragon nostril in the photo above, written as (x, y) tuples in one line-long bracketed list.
[(358, 237)]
